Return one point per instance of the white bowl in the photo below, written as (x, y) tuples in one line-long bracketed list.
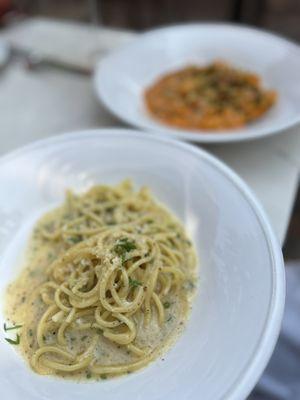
[(238, 309), (121, 78), (4, 53)]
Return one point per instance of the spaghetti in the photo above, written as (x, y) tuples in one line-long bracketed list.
[(116, 289)]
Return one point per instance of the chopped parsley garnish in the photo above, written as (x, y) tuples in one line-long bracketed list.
[(10, 328), (14, 342), (134, 282), (30, 332), (88, 375), (51, 256), (169, 318), (124, 246), (74, 239), (167, 304), (110, 222), (190, 285), (103, 376), (84, 337)]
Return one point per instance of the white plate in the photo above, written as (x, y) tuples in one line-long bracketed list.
[(237, 312), (4, 53), (121, 78)]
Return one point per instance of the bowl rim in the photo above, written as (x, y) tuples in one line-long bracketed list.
[(248, 377), (188, 135)]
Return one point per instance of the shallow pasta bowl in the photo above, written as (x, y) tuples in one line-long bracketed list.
[(238, 308), (122, 77)]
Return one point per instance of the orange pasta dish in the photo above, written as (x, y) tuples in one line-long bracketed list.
[(212, 97)]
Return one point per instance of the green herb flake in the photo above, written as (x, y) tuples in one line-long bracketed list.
[(170, 317), (88, 375), (167, 304), (74, 239), (103, 376), (10, 328), (14, 342), (190, 285), (30, 332), (124, 246), (134, 282), (84, 338), (110, 222)]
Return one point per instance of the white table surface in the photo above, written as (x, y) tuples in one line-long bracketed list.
[(35, 105)]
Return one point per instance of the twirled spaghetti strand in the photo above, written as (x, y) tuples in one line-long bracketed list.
[(121, 256)]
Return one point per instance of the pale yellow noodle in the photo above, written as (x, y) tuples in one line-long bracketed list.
[(131, 255)]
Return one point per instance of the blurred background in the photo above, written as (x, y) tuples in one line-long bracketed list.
[(279, 16)]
